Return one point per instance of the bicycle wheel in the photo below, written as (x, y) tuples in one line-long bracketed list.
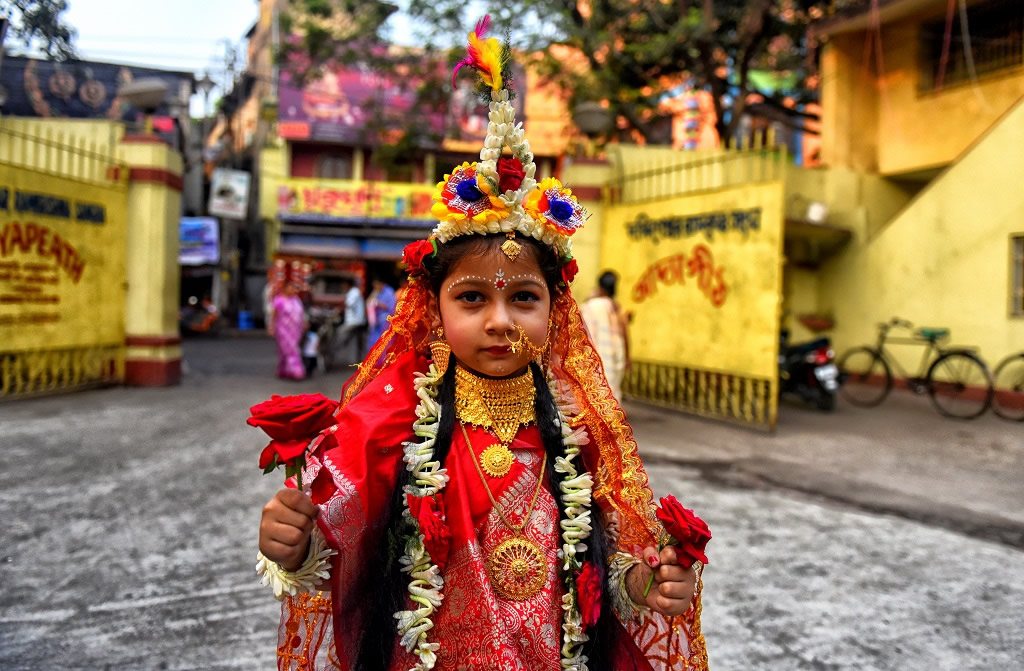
[(960, 385), (1008, 401), (868, 378)]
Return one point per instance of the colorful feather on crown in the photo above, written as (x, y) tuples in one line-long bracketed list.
[(486, 56)]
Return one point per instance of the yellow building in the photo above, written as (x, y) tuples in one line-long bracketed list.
[(922, 136)]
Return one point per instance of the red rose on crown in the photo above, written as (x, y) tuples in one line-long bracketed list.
[(428, 511), (415, 252), (588, 590), (510, 173), (569, 271)]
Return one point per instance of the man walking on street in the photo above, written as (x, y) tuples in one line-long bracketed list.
[(352, 334)]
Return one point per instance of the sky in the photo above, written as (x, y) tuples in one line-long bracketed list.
[(192, 35)]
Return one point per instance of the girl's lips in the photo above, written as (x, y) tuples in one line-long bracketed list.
[(504, 349)]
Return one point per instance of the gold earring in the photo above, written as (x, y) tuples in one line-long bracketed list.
[(440, 351)]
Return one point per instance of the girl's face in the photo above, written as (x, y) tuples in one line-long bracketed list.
[(481, 300)]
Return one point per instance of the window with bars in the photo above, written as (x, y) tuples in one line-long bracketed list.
[(1017, 275), (995, 31)]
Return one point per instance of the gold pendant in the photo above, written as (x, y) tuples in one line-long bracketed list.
[(497, 460), (511, 249), (518, 568)]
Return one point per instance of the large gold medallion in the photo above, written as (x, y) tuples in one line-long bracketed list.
[(497, 460), (518, 568)]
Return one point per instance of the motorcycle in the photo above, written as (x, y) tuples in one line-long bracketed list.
[(325, 320), (199, 318), (808, 370)]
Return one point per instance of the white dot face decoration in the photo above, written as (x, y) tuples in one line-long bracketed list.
[(500, 281)]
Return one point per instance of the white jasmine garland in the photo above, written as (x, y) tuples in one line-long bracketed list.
[(316, 569), (428, 478), (426, 583)]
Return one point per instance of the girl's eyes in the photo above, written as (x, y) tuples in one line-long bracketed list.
[(478, 297), (527, 296)]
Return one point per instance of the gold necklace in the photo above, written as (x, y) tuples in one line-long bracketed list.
[(518, 567), (501, 406)]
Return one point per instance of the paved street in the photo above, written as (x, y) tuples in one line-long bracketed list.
[(887, 539)]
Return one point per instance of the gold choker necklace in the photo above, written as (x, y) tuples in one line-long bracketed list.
[(501, 406)]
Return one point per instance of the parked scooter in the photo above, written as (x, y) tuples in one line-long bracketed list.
[(199, 318), (809, 371)]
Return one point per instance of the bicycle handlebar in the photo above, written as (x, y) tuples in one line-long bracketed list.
[(897, 322)]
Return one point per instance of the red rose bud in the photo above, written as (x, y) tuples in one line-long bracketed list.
[(510, 173), (588, 591), (569, 271), (689, 532), (415, 252), (293, 417), (428, 511)]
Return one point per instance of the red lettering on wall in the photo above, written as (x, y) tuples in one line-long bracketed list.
[(45, 243), (669, 270)]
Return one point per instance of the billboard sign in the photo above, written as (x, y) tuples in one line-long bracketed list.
[(199, 241)]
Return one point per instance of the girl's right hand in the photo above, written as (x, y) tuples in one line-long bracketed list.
[(285, 527)]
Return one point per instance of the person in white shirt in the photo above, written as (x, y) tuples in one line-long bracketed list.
[(351, 337)]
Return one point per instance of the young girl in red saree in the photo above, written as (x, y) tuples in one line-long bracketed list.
[(479, 502)]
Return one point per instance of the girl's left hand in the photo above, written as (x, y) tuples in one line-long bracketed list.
[(673, 589)]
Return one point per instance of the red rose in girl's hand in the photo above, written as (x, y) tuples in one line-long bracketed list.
[(588, 590), (428, 511), (293, 417), (282, 452), (689, 531), (569, 271), (510, 173), (414, 253)]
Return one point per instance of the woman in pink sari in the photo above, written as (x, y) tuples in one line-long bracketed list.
[(289, 323)]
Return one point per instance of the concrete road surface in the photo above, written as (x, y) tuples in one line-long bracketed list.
[(883, 540)]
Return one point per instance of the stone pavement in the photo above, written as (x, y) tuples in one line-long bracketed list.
[(130, 515)]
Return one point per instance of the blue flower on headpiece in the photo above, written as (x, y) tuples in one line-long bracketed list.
[(560, 209), (469, 191)]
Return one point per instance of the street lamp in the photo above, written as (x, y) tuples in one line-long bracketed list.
[(592, 118), (205, 85), (145, 94)]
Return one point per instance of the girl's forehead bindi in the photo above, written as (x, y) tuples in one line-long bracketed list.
[(494, 269)]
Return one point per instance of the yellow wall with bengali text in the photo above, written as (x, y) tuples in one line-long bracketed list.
[(678, 322)]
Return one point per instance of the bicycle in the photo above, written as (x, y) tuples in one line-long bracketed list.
[(957, 380), (1008, 401)]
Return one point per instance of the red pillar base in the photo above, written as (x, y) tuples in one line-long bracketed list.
[(150, 373)]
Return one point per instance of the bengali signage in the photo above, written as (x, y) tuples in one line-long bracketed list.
[(351, 199), (61, 261), (702, 276)]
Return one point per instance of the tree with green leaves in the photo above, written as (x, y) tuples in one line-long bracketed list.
[(635, 51), (36, 27), (629, 53)]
